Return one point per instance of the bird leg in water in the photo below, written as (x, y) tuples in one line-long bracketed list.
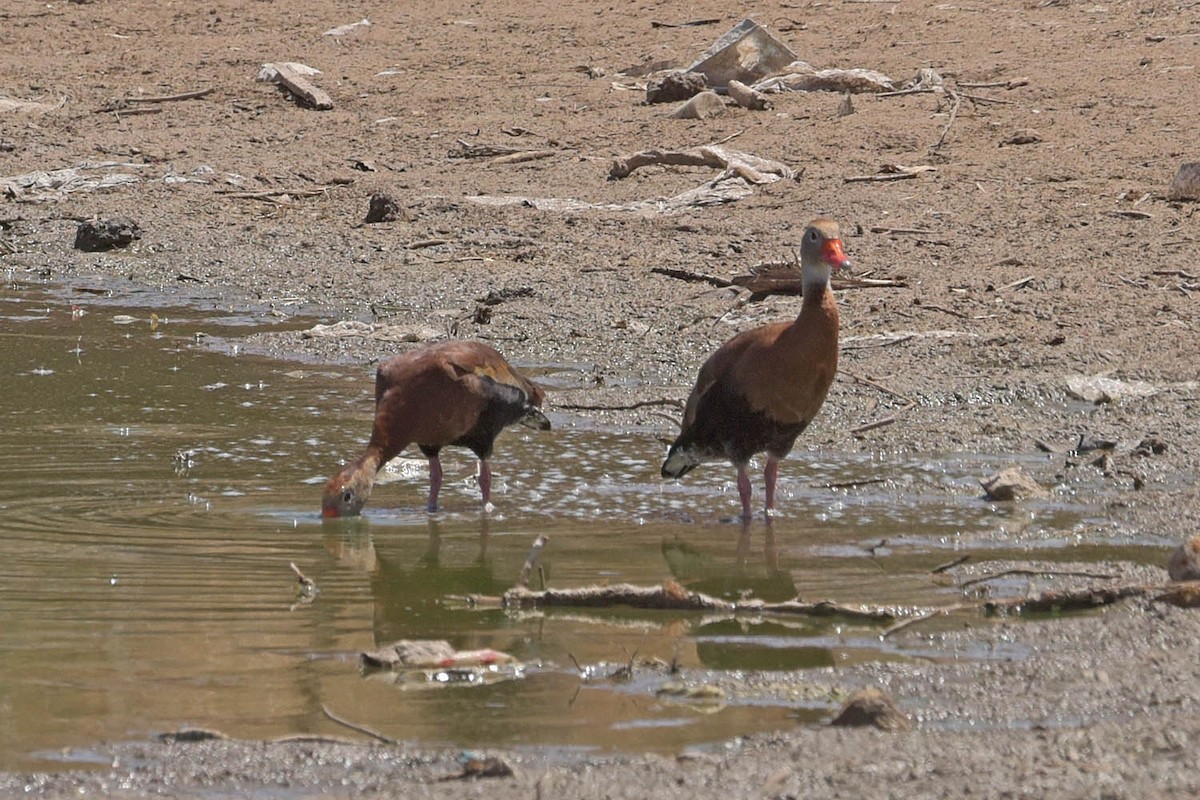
[(435, 482), (485, 482), (743, 484), (771, 475)]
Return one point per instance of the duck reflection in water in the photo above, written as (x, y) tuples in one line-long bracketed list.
[(750, 575)]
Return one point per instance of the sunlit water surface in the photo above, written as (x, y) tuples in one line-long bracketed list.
[(155, 487)]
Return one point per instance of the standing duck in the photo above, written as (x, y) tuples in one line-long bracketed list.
[(450, 393), (761, 388)]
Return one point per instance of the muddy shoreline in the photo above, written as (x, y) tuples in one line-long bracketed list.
[(1022, 266)]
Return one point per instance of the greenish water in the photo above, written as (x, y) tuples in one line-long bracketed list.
[(155, 487)]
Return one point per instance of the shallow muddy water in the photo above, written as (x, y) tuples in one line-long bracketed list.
[(155, 484)]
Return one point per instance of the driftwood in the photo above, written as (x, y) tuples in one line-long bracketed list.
[(720, 190), (53, 184), (1183, 594), (523, 156), (1058, 600), (746, 97), (292, 77), (372, 331), (802, 77), (751, 168), (671, 596)]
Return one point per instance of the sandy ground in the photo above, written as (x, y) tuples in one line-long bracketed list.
[(1021, 266)]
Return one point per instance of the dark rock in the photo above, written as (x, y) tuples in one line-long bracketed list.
[(1150, 446), (97, 235), (676, 86), (1022, 136), (383, 208), (872, 706)]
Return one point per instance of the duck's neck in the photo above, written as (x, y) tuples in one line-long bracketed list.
[(370, 460), (818, 300)]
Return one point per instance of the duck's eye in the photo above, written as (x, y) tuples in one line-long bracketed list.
[(347, 496), (812, 236)]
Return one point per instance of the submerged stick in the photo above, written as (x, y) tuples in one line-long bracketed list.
[(354, 726), (1037, 573), (531, 560), (666, 401)]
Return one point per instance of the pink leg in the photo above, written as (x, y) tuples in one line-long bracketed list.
[(485, 482), (771, 475), (435, 483), (743, 484)]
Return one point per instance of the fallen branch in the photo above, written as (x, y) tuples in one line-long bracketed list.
[(753, 169), (672, 596), (125, 105), (523, 156), (469, 150), (1009, 84), (1059, 600), (724, 188), (1184, 594), (768, 282), (891, 172)]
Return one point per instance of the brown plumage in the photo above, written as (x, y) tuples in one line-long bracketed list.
[(451, 393), (761, 388)]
